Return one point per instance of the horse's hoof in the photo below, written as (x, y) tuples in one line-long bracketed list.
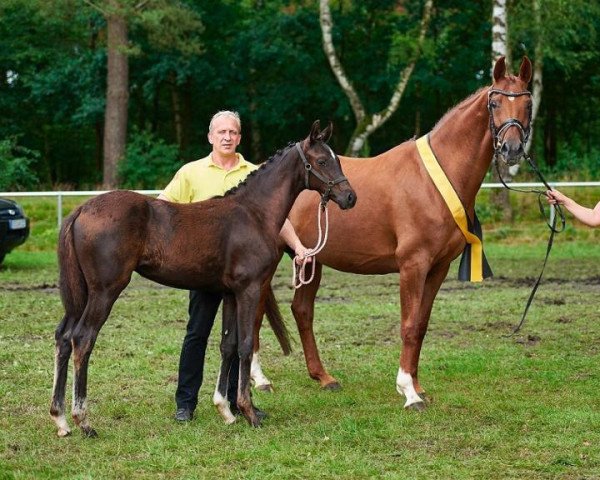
[(416, 407), (62, 432), (89, 432), (255, 423), (426, 398), (332, 387), (266, 387)]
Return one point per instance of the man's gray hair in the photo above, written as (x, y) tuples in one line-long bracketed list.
[(226, 113)]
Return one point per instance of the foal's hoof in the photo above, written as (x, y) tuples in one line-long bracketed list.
[(62, 432), (266, 387), (89, 432), (255, 422), (332, 387), (416, 407)]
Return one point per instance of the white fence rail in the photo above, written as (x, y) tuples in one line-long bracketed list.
[(90, 193)]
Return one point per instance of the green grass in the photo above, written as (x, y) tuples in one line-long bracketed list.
[(521, 407)]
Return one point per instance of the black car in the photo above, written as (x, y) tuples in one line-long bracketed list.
[(14, 226)]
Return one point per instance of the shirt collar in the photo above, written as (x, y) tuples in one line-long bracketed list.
[(241, 163)]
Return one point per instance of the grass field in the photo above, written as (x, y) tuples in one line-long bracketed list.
[(522, 407)]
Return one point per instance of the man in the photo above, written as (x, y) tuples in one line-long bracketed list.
[(213, 175)]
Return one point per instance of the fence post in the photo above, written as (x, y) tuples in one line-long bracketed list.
[(59, 209)]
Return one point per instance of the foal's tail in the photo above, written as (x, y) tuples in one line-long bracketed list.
[(276, 320), (72, 284)]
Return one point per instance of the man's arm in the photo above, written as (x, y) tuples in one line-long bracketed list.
[(288, 234)]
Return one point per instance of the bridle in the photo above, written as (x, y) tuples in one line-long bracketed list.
[(524, 132), (308, 168), (499, 132)]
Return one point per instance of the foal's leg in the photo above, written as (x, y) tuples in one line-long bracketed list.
[(61, 364), (228, 350), (303, 308), (246, 303), (83, 341), (417, 291)]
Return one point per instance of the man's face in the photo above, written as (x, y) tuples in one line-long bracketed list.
[(225, 135)]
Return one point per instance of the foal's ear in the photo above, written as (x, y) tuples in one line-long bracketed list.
[(326, 134), (315, 131), (525, 70), (500, 68)]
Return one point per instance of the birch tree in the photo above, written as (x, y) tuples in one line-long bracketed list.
[(499, 197), (367, 123)]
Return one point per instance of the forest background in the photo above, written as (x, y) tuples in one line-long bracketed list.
[(187, 59)]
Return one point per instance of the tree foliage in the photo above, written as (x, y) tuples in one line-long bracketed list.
[(188, 59)]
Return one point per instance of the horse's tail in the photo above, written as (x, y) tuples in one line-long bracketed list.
[(276, 320), (72, 284)]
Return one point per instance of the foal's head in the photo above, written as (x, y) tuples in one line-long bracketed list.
[(323, 170), (510, 105)]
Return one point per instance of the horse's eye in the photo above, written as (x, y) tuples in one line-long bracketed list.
[(493, 104), (322, 161)]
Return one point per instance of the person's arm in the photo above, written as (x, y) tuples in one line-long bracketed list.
[(288, 234), (588, 216)]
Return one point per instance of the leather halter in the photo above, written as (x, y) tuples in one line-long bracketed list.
[(309, 169), (499, 132)]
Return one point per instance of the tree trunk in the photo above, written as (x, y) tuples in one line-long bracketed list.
[(538, 85), (550, 137), (117, 97), (499, 197), (366, 124)]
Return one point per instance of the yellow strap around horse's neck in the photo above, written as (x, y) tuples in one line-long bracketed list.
[(456, 207)]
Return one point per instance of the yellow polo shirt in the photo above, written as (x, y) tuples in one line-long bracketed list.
[(203, 179)]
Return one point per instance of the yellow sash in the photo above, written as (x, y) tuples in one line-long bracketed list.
[(478, 264)]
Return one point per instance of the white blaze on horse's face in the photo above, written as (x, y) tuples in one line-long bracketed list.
[(406, 387)]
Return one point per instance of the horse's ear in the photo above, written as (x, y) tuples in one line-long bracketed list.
[(326, 134), (525, 70), (500, 68), (315, 131)]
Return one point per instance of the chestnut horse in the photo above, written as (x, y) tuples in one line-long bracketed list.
[(227, 244), (402, 224)]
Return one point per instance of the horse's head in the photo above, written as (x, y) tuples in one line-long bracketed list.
[(509, 104), (323, 170)]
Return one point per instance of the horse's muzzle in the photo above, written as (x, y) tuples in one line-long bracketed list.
[(345, 199), (511, 152)]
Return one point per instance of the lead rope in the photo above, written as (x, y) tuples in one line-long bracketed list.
[(299, 275), (551, 225)]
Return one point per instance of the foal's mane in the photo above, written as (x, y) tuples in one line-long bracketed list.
[(264, 166)]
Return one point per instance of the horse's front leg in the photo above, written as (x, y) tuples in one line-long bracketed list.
[(228, 350), (417, 292), (246, 303)]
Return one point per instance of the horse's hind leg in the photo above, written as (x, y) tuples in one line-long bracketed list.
[(259, 379), (83, 341), (303, 308), (61, 364)]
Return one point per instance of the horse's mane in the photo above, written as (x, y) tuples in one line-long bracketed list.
[(460, 106), (264, 166)]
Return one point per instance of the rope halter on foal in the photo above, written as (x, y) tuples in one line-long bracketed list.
[(299, 277)]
